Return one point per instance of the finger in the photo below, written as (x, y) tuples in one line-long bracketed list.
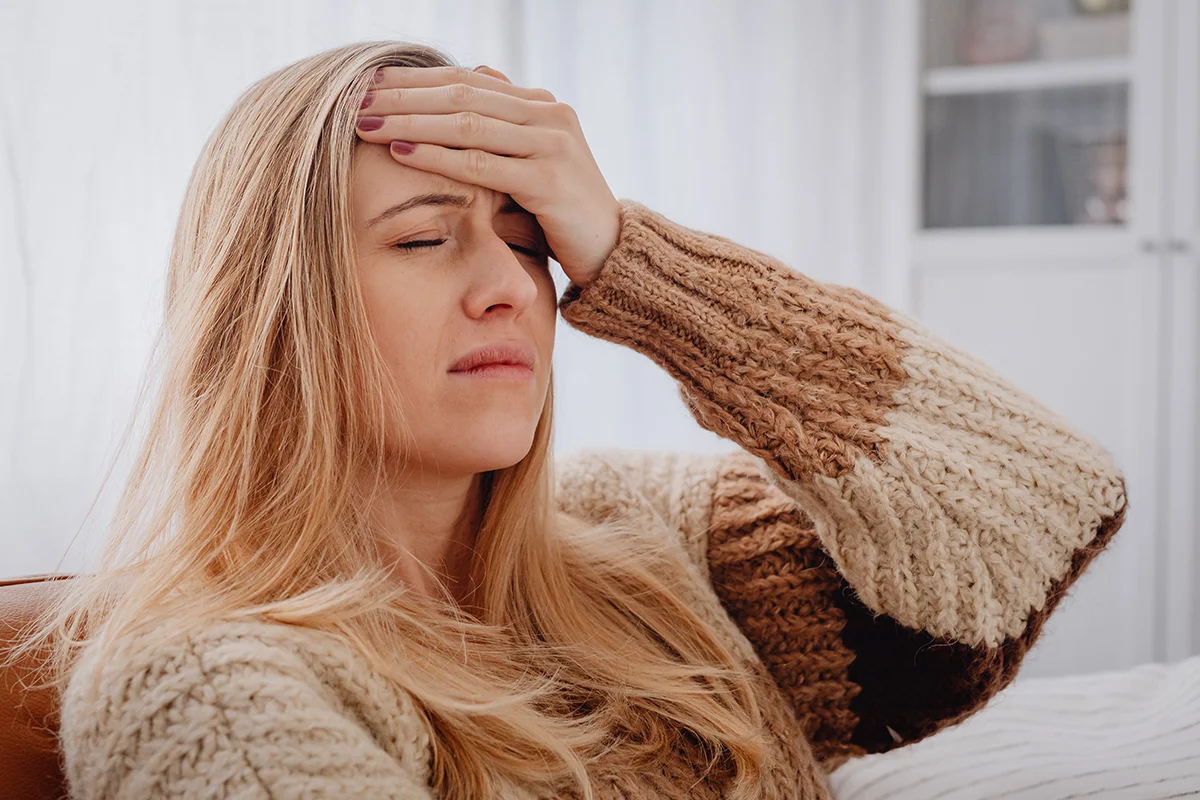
[(476, 167), (495, 73), (466, 129), (454, 98), (390, 77)]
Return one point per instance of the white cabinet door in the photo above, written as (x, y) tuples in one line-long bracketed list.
[(1181, 557), (1042, 209)]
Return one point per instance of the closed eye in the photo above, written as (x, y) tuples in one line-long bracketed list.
[(435, 242)]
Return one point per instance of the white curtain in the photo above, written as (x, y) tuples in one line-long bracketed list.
[(745, 119)]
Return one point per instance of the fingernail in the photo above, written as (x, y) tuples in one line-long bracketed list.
[(403, 148), (370, 123), (367, 99), (379, 75)]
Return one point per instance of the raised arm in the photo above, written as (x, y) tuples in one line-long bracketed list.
[(951, 509)]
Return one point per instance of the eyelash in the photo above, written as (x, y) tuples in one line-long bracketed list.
[(435, 242)]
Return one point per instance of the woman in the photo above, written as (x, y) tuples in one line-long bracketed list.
[(345, 565)]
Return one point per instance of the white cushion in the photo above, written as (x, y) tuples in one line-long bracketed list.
[(1126, 734)]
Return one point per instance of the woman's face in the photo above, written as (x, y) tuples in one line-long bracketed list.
[(430, 306)]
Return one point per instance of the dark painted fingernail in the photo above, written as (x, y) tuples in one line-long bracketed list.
[(370, 123), (403, 148), (379, 75), (367, 100)]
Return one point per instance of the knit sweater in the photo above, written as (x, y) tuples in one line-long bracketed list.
[(881, 549)]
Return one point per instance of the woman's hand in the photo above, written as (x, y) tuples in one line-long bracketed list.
[(478, 128)]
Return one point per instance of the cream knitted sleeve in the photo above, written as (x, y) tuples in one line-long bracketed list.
[(241, 709), (949, 499)]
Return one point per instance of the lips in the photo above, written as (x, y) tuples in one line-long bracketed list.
[(512, 351)]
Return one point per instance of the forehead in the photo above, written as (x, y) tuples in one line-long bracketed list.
[(378, 181)]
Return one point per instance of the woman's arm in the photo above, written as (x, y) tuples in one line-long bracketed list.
[(956, 508), (240, 710)]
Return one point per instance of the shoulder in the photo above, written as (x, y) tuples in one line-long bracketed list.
[(226, 652), (600, 481), (235, 702), (675, 488)]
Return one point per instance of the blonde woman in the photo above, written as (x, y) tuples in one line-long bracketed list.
[(346, 565)]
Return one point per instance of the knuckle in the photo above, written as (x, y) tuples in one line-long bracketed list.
[(565, 115), (544, 95), (560, 142), (460, 94), (476, 163), (469, 123)]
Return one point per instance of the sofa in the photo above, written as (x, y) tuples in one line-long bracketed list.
[(29, 757)]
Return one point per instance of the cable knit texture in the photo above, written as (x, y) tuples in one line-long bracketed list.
[(881, 549)]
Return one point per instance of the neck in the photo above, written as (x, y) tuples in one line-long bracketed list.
[(428, 523)]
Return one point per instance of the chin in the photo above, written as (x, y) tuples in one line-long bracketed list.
[(490, 448)]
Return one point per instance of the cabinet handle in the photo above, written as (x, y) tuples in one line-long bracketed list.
[(1170, 246)]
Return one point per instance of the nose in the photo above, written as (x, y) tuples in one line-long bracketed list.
[(501, 279)]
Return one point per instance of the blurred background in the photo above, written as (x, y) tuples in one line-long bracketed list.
[(1021, 176)]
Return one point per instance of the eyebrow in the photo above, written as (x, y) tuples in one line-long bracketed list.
[(441, 199)]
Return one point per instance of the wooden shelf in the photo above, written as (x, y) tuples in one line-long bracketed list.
[(1026, 76)]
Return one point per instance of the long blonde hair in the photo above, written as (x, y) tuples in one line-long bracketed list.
[(242, 500)]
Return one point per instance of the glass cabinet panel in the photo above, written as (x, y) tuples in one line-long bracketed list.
[(1025, 112)]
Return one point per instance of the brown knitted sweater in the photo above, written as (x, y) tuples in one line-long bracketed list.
[(900, 520), (882, 549)]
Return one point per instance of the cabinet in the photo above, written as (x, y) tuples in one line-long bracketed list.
[(1040, 208)]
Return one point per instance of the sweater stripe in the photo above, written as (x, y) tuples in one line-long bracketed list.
[(860, 682)]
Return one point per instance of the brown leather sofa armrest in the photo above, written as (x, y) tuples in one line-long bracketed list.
[(30, 761)]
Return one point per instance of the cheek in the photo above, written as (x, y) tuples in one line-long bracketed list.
[(544, 314), (406, 323), (548, 292)]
